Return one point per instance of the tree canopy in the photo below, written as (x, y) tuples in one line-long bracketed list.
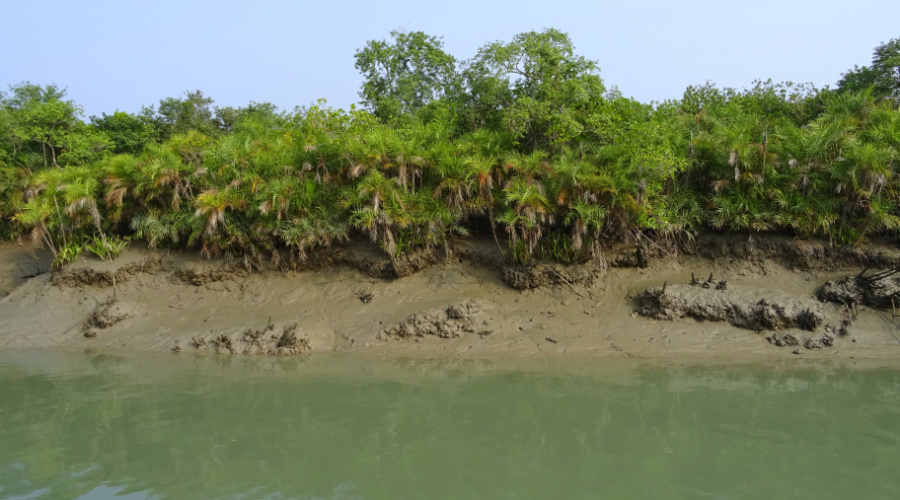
[(882, 76), (402, 76), (542, 91), (38, 125)]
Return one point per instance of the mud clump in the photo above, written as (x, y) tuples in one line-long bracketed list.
[(377, 264), (288, 343), (204, 276), (257, 341), (416, 261), (819, 342), (523, 277), (872, 290), (86, 276), (448, 322), (380, 269), (223, 343), (744, 308), (641, 254), (787, 339), (107, 315), (783, 340)]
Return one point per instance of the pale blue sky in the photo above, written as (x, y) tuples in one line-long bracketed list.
[(121, 55)]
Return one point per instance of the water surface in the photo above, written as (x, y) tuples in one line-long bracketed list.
[(98, 426)]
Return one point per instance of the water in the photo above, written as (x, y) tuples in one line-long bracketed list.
[(97, 426)]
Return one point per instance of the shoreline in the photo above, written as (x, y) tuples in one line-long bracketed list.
[(165, 301)]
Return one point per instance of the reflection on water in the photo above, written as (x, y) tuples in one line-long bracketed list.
[(89, 426)]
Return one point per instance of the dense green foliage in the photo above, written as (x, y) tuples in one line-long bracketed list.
[(883, 76), (523, 140)]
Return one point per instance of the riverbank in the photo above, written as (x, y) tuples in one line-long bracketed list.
[(458, 304)]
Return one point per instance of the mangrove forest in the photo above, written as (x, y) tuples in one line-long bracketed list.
[(523, 143)]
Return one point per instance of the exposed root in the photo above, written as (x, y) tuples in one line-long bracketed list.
[(879, 290), (364, 297), (106, 315)]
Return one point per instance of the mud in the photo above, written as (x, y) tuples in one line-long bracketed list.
[(450, 322), (754, 309), (20, 263)]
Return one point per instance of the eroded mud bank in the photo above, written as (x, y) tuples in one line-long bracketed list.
[(465, 300)]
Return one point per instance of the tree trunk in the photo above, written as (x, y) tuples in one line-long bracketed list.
[(62, 227)]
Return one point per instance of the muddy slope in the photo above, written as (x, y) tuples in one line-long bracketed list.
[(20, 263), (182, 303)]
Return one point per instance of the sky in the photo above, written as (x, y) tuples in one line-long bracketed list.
[(120, 55)]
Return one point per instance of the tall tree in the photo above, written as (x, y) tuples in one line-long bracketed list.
[(128, 133), (883, 75), (544, 92), (404, 75), (178, 116), (40, 124)]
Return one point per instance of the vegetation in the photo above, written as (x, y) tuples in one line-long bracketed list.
[(523, 140)]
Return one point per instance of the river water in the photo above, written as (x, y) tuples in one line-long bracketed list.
[(94, 426)]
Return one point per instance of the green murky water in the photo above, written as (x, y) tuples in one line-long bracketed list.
[(98, 426)]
